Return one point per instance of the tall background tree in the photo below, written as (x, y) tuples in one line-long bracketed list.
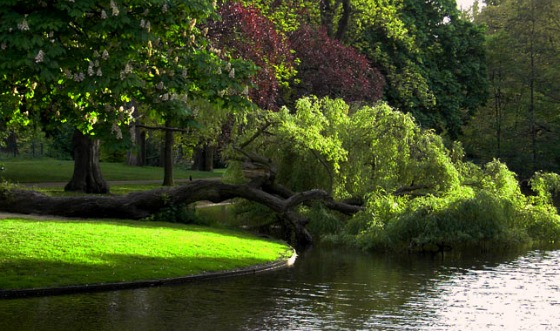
[(432, 58), (520, 123)]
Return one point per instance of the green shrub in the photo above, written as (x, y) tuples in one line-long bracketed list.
[(322, 221), (546, 185), (542, 223), (494, 212)]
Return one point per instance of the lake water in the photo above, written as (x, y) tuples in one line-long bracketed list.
[(327, 289)]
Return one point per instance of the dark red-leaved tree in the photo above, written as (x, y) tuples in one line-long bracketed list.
[(244, 32), (330, 68)]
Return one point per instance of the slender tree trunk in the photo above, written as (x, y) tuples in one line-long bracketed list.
[(498, 109), (12, 144), (168, 158), (143, 153), (134, 154), (204, 158), (532, 91), (87, 172)]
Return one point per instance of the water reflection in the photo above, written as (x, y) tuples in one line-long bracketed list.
[(326, 290)]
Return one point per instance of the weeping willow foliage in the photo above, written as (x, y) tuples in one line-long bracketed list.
[(418, 194)]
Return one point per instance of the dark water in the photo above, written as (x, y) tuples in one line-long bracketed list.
[(326, 290)]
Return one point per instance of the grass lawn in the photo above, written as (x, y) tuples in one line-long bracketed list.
[(48, 253), (50, 170)]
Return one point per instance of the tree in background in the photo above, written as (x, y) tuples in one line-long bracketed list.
[(432, 58), (244, 32), (277, 35), (520, 123), (83, 62), (328, 68)]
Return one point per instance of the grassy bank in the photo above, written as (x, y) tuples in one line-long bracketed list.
[(48, 253)]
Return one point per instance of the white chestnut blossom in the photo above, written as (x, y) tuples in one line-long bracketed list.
[(23, 26), (127, 69), (232, 73), (78, 77), (90, 70), (116, 130), (40, 56), (103, 14), (105, 55), (114, 8)]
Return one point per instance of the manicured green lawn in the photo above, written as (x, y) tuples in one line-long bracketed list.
[(47, 253), (50, 170)]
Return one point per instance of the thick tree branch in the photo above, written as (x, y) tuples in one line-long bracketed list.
[(143, 204)]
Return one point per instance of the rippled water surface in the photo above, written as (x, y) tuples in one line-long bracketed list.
[(326, 290)]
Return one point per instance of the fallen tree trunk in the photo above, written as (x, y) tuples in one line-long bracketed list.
[(143, 204)]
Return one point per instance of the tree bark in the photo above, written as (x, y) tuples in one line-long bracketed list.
[(87, 172), (168, 158), (135, 153), (204, 158)]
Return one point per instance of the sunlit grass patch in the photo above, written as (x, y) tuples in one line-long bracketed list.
[(39, 253)]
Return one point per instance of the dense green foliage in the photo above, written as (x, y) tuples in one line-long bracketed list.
[(418, 193), (433, 59), (47, 253), (84, 62), (487, 210), (519, 124)]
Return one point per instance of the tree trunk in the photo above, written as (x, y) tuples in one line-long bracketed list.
[(143, 152), (168, 158), (87, 172), (134, 154), (204, 158), (12, 144)]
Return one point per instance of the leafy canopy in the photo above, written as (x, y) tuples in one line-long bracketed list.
[(85, 61)]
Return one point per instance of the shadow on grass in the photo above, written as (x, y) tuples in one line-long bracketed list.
[(33, 277)]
